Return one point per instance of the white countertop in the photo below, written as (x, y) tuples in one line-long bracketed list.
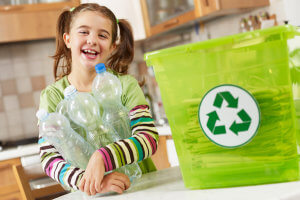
[(168, 185), (164, 130), (20, 151)]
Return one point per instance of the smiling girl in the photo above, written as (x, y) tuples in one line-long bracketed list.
[(88, 35)]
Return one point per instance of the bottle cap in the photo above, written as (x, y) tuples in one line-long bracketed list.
[(100, 67), (70, 90), (41, 114)]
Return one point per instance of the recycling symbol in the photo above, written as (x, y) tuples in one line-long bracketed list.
[(229, 116)]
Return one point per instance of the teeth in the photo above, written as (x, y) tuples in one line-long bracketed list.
[(89, 51)]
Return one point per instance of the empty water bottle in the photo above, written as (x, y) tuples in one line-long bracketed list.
[(62, 108), (83, 109), (108, 90), (56, 129)]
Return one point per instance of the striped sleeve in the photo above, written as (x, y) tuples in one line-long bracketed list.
[(140, 146), (57, 168)]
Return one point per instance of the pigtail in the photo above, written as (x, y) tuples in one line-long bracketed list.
[(121, 57), (62, 56), (124, 52)]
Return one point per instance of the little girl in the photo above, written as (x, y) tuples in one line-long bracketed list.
[(88, 35)]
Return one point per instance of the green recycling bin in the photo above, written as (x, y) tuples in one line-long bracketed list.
[(295, 76), (230, 106)]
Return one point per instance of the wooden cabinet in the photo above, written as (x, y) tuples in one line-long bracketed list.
[(31, 21), (160, 16), (9, 188), (14, 182), (222, 7)]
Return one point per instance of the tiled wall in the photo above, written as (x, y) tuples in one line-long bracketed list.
[(25, 69)]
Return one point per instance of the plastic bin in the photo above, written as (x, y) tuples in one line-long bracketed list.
[(255, 63), (295, 76)]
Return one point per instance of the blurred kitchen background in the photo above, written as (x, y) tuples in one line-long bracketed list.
[(27, 43)]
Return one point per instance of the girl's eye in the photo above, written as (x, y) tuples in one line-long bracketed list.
[(83, 32), (102, 36)]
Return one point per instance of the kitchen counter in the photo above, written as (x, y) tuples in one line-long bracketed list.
[(168, 184), (164, 130), (20, 151)]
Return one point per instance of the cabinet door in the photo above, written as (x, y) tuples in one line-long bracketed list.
[(31, 21), (160, 16), (129, 10), (205, 7), (213, 8), (8, 183)]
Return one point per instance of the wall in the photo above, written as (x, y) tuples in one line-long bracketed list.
[(25, 69)]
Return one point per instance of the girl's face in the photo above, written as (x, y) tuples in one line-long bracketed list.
[(89, 39)]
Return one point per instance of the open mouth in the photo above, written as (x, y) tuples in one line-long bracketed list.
[(90, 53)]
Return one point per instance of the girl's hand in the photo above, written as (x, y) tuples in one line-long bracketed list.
[(114, 182), (92, 178)]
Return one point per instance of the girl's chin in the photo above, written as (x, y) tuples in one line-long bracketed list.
[(89, 66), (89, 63)]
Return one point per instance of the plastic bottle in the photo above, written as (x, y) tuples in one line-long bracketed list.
[(56, 129), (84, 110), (62, 108), (108, 90)]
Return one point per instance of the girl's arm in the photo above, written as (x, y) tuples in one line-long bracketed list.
[(57, 168), (140, 146), (54, 165)]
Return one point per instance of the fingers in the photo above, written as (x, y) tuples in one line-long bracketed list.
[(92, 188), (98, 186), (123, 178), (110, 184), (116, 188), (81, 184), (87, 187), (114, 182), (119, 184), (93, 176)]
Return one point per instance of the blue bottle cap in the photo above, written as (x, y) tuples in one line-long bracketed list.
[(100, 67)]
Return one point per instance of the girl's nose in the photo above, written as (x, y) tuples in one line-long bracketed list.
[(91, 40)]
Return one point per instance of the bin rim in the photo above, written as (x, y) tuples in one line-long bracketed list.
[(289, 30)]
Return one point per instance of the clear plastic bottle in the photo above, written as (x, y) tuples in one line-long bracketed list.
[(62, 108), (56, 129), (84, 110), (108, 90)]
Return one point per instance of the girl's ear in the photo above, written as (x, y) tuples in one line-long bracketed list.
[(66, 37)]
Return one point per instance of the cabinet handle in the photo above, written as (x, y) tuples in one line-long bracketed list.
[(171, 23), (10, 8)]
